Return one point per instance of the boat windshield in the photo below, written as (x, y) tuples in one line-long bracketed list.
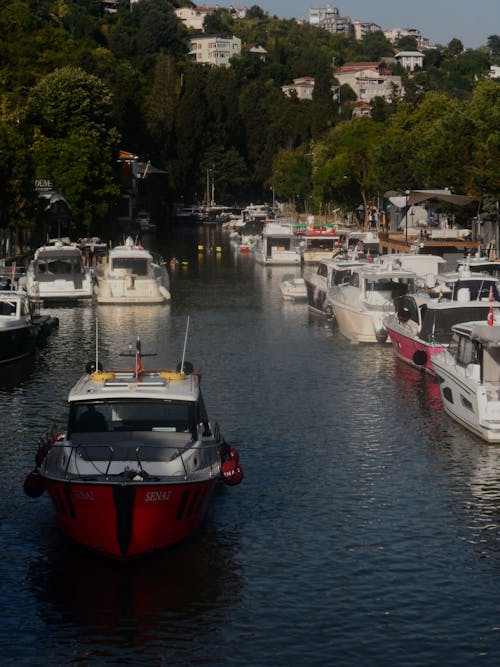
[(436, 324), (135, 265), (59, 267), (129, 415)]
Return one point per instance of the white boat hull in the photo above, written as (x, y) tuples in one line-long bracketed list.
[(467, 401), (122, 291), (360, 326)]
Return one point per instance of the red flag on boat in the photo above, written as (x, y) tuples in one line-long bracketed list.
[(139, 368), (369, 257), (490, 316), (490, 309)]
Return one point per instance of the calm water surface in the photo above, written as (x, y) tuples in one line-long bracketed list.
[(366, 530)]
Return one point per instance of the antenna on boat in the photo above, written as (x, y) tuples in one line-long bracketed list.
[(185, 344), (96, 344)]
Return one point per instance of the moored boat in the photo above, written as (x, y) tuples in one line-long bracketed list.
[(131, 276), (21, 328), (278, 246), (293, 288), (58, 273), (361, 303), (422, 324), (327, 273), (138, 462), (468, 373)]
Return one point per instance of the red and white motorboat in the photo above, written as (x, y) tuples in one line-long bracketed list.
[(422, 324), (136, 467)]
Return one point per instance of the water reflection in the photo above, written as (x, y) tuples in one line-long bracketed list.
[(148, 597)]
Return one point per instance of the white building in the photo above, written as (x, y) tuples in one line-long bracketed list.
[(302, 87), (410, 59), (369, 80), (319, 14), (214, 49), (494, 72), (328, 18), (397, 33), (193, 17)]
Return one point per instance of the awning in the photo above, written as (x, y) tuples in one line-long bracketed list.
[(417, 196)]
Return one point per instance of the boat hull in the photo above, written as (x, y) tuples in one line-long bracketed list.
[(128, 520), (467, 402), (120, 292), (360, 326), (17, 342), (413, 351)]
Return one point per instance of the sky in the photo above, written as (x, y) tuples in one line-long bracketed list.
[(471, 21)]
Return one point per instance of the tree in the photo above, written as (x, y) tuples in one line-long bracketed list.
[(76, 142), (291, 178), (345, 163)]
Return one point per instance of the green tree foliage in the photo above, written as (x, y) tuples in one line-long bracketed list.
[(16, 177), (75, 141), (73, 78), (292, 176), (483, 113), (344, 163)]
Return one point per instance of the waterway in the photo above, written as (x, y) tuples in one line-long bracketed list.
[(366, 530)]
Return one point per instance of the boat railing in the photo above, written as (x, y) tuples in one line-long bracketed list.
[(129, 462)]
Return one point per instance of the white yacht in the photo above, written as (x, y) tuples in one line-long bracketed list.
[(278, 245), (361, 303), (468, 372), (327, 273), (58, 274), (132, 276)]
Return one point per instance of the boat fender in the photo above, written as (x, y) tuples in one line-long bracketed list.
[(381, 335), (232, 474), (34, 484), (172, 375), (187, 367), (99, 376), (420, 358)]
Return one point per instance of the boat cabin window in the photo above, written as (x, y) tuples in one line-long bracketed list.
[(394, 286), (341, 277), (477, 289), (135, 265), (436, 324), (59, 267), (467, 351), (322, 270), (8, 308), (166, 416), (353, 280)]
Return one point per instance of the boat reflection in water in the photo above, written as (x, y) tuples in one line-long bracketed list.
[(95, 594)]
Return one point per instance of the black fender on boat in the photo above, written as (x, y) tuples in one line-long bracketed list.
[(34, 484), (419, 357)]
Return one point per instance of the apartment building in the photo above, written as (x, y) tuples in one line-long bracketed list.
[(214, 49)]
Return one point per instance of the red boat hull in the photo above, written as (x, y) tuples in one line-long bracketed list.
[(128, 520)]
